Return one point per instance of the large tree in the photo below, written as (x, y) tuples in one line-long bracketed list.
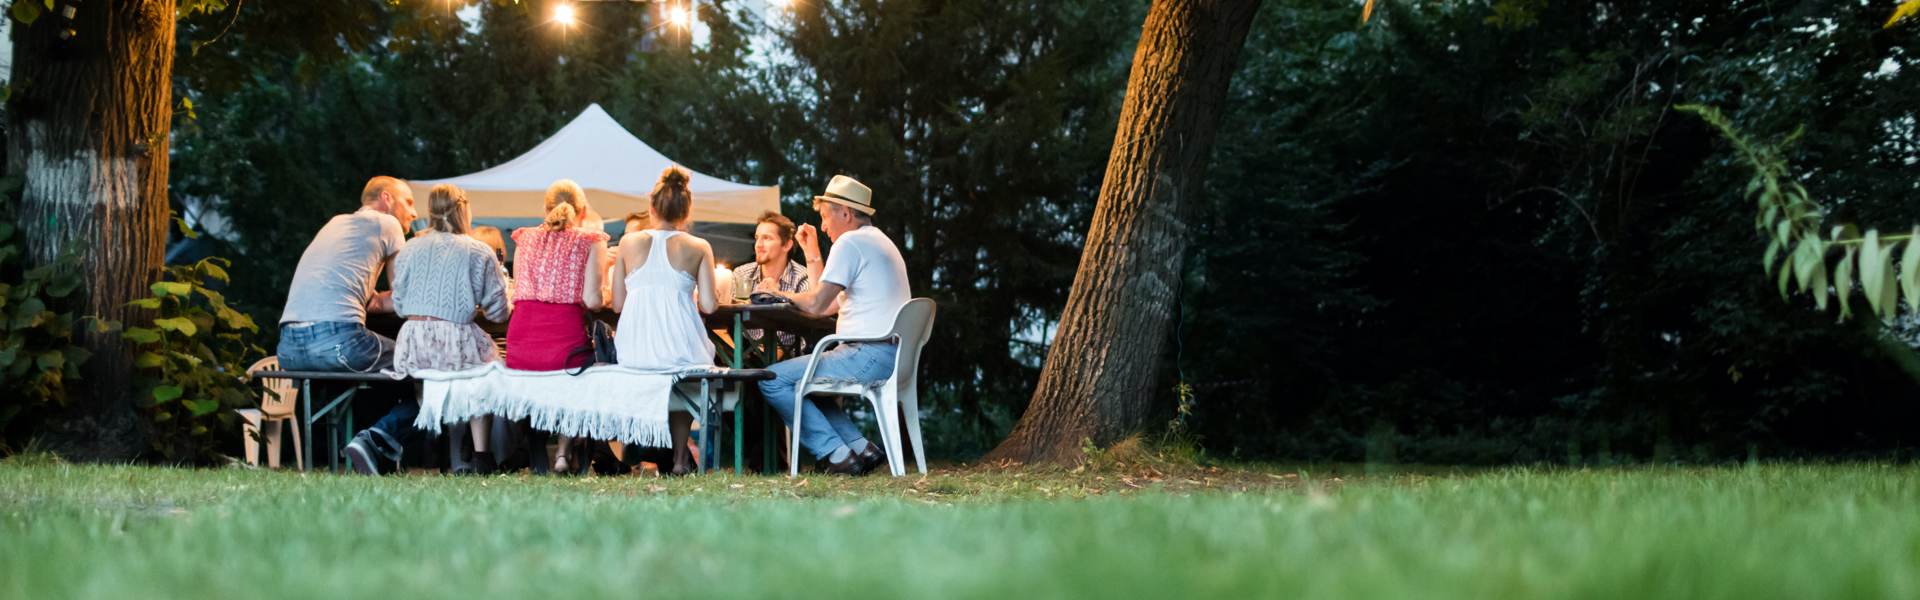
[(1100, 372), (88, 125)]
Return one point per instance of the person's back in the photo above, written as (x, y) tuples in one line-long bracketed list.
[(658, 273), (660, 328), (438, 279), (547, 264), (444, 276), (323, 325), (557, 268), (335, 278)]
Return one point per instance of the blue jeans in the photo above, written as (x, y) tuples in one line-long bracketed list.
[(826, 428), (333, 347), (348, 347)]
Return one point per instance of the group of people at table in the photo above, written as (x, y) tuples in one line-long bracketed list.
[(662, 280)]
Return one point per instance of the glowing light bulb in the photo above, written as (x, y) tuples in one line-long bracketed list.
[(678, 16), (564, 14)]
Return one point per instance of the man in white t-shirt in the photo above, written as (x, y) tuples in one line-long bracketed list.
[(868, 268)]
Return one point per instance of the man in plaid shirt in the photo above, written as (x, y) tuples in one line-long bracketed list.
[(772, 244)]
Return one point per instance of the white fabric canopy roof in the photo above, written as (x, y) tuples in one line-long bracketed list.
[(617, 170)]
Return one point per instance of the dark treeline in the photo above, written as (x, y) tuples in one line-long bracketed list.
[(1434, 237)]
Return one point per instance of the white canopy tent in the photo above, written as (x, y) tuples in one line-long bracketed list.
[(617, 170)]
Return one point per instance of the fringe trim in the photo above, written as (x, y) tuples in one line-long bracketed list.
[(454, 397)]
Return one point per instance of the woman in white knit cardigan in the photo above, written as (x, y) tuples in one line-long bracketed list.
[(438, 279)]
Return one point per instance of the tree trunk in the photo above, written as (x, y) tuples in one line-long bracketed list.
[(1099, 378), (89, 127)]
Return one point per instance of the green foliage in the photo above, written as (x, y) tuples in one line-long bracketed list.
[(28, 11), (1798, 247), (196, 353), (38, 348), (1502, 242), (1516, 14)]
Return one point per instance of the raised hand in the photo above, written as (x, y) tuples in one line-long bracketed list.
[(809, 240)]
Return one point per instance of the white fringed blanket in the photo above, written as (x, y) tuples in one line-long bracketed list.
[(607, 402)]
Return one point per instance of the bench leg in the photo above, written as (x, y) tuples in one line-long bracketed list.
[(306, 425), (739, 438), (709, 428)]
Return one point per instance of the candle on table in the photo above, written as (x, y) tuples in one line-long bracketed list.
[(723, 284)]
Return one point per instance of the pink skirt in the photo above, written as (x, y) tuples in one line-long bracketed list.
[(541, 335), (442, 345)]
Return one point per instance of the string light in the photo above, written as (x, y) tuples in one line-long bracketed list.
[(563, 14)]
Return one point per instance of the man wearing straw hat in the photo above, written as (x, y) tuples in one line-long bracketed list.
[(867, 266)]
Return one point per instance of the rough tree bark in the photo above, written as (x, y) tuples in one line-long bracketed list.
[(89, 127), (1099, 378)]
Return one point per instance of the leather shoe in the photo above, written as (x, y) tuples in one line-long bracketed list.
[(871, 458), (850, 466), (483, 463)]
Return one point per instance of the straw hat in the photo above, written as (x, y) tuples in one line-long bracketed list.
[(846, 191)]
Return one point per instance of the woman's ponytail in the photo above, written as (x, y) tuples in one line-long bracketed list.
[(565, 203), (447, 209), (561, 217)]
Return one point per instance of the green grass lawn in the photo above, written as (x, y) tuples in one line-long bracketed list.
[(72, 531)]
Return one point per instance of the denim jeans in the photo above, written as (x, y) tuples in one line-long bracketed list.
[(826, 428), (334, 347), (349, 347)]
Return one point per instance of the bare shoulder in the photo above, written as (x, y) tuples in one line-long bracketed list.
[(690, 243)]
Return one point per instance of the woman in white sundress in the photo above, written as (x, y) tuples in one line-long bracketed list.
[(438, 279), (661, 270)]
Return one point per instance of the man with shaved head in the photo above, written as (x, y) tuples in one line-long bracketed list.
[(324, 325)]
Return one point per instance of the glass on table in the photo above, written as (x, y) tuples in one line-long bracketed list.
[(741, 290)]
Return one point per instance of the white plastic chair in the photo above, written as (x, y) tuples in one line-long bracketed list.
[(911, 327), (272, 412)]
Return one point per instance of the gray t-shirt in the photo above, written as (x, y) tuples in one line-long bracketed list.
[(334, 281)]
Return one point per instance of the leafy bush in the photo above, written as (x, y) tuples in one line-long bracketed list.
[(200, 359), (38, 353)]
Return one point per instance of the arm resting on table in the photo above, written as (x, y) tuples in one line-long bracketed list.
[(816, 301)]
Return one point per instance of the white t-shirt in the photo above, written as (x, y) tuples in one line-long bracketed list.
[(869, 266)]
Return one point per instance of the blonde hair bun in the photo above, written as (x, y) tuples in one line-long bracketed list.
[(565, 203)]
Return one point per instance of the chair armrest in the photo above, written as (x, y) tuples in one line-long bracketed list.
[(829, 341)]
